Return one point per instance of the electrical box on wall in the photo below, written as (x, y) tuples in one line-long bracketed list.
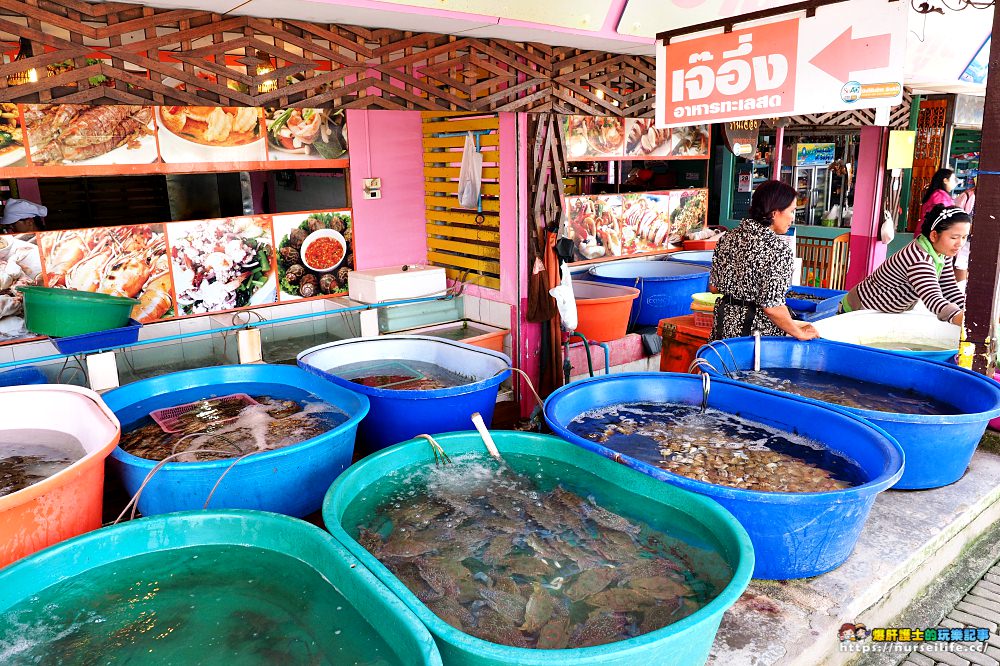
[(373, 188), (394, 283)]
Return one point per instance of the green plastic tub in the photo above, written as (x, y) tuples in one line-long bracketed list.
[(64, 312), (682, 643), (212, 587)]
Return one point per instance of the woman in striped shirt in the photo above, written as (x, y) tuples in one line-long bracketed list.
[(924, 270)]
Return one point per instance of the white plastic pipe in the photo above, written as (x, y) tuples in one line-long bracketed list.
[(477, 420), (756, 351)]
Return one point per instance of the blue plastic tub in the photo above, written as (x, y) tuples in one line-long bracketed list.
[(396, 416), (695, 257), (831, 299), (29, 374), (794, 535), (685, 643), (110, 626), (92, 342), (290, 480), (938, 448), (665, 286)]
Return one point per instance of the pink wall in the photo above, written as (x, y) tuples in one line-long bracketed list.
[(867, 251), (387, 144)]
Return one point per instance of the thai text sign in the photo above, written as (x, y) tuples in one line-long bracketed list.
[(851, 57)]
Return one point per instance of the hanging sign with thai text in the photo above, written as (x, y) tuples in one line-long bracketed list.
[(847, 56), (741, 137)]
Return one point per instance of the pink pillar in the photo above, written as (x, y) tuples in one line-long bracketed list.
[(867, 251), (779, 139)]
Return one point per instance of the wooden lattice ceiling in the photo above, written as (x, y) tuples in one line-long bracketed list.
[(147, 55)]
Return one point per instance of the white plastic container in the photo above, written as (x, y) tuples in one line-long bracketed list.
[(909, 333), (393, 283)]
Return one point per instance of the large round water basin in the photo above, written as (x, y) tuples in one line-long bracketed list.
[(550, 468), (207, 587), (394, 364), (795, 535), (72, 425), (911, 334), (938, 447), (666, 286), (290, 480), (695, 257)]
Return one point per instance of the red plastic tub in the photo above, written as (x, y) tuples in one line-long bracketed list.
[(602, 310), (69, 502)]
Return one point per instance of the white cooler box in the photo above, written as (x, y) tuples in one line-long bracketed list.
[(392, 283)]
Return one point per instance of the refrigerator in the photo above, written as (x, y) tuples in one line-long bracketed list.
[(809, 178)]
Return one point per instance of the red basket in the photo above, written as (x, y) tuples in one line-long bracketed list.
[(170, 418), (702, 319)]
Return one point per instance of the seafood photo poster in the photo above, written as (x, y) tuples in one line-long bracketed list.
[(84, 135), (222, 134), (315, 253), (12, 151), (593, 138), (619, 225), (305, 134), (222, 264), (644, 141), (126, 261), (20, 265)]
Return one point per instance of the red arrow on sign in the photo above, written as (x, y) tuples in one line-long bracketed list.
[(846, 54)]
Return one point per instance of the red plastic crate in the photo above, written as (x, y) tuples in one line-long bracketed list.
[(169, 418)]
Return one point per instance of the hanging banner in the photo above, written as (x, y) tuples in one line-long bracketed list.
[(741, 137), (848, 56), (40, 140)]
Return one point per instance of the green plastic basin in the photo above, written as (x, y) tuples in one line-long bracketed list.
[(682, 643), (64, 312), (106, 577)]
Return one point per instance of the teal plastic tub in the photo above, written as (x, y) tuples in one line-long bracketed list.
[(129, 606), (682, 643), (64, 312)]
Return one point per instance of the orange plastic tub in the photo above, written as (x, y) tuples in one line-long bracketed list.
[(69, 502), (602, 309)]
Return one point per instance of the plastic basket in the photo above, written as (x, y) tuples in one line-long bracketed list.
[(90, 342), (171, 419), (703, 319)]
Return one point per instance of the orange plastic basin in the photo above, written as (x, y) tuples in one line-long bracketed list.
[(69, 502), (602, 310)]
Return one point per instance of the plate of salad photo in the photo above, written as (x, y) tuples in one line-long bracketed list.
[(306, 134)]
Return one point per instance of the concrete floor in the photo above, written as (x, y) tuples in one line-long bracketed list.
[(909, 542)]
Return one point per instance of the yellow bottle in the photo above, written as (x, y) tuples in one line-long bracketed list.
[(966, 351)]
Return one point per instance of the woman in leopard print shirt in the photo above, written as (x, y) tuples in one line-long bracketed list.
[(752, 268)]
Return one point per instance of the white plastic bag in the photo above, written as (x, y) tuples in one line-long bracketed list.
[(470, 176), (888, 230), (565, 301)]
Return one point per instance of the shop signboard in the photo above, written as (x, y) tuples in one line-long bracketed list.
[(741, 137), (847, 56), (82, 140), (179, 269), (591, 138), (606, 226), (976, 70), (812, 154)]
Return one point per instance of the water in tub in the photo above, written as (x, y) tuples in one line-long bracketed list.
[(522, 554), (400, 375), (28, 456), (235, 605), (718, 447), (231, 428), (847, 391), (896, 345)]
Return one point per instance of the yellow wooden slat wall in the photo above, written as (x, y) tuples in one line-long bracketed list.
[(467, 246)]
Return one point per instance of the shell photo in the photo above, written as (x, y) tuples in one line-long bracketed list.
[(315, 253), (20, 265), (120, 261)]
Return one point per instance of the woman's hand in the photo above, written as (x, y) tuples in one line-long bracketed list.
[(805, 331), (958, 318)]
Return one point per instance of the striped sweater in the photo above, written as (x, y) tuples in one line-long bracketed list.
[(906, 276)]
